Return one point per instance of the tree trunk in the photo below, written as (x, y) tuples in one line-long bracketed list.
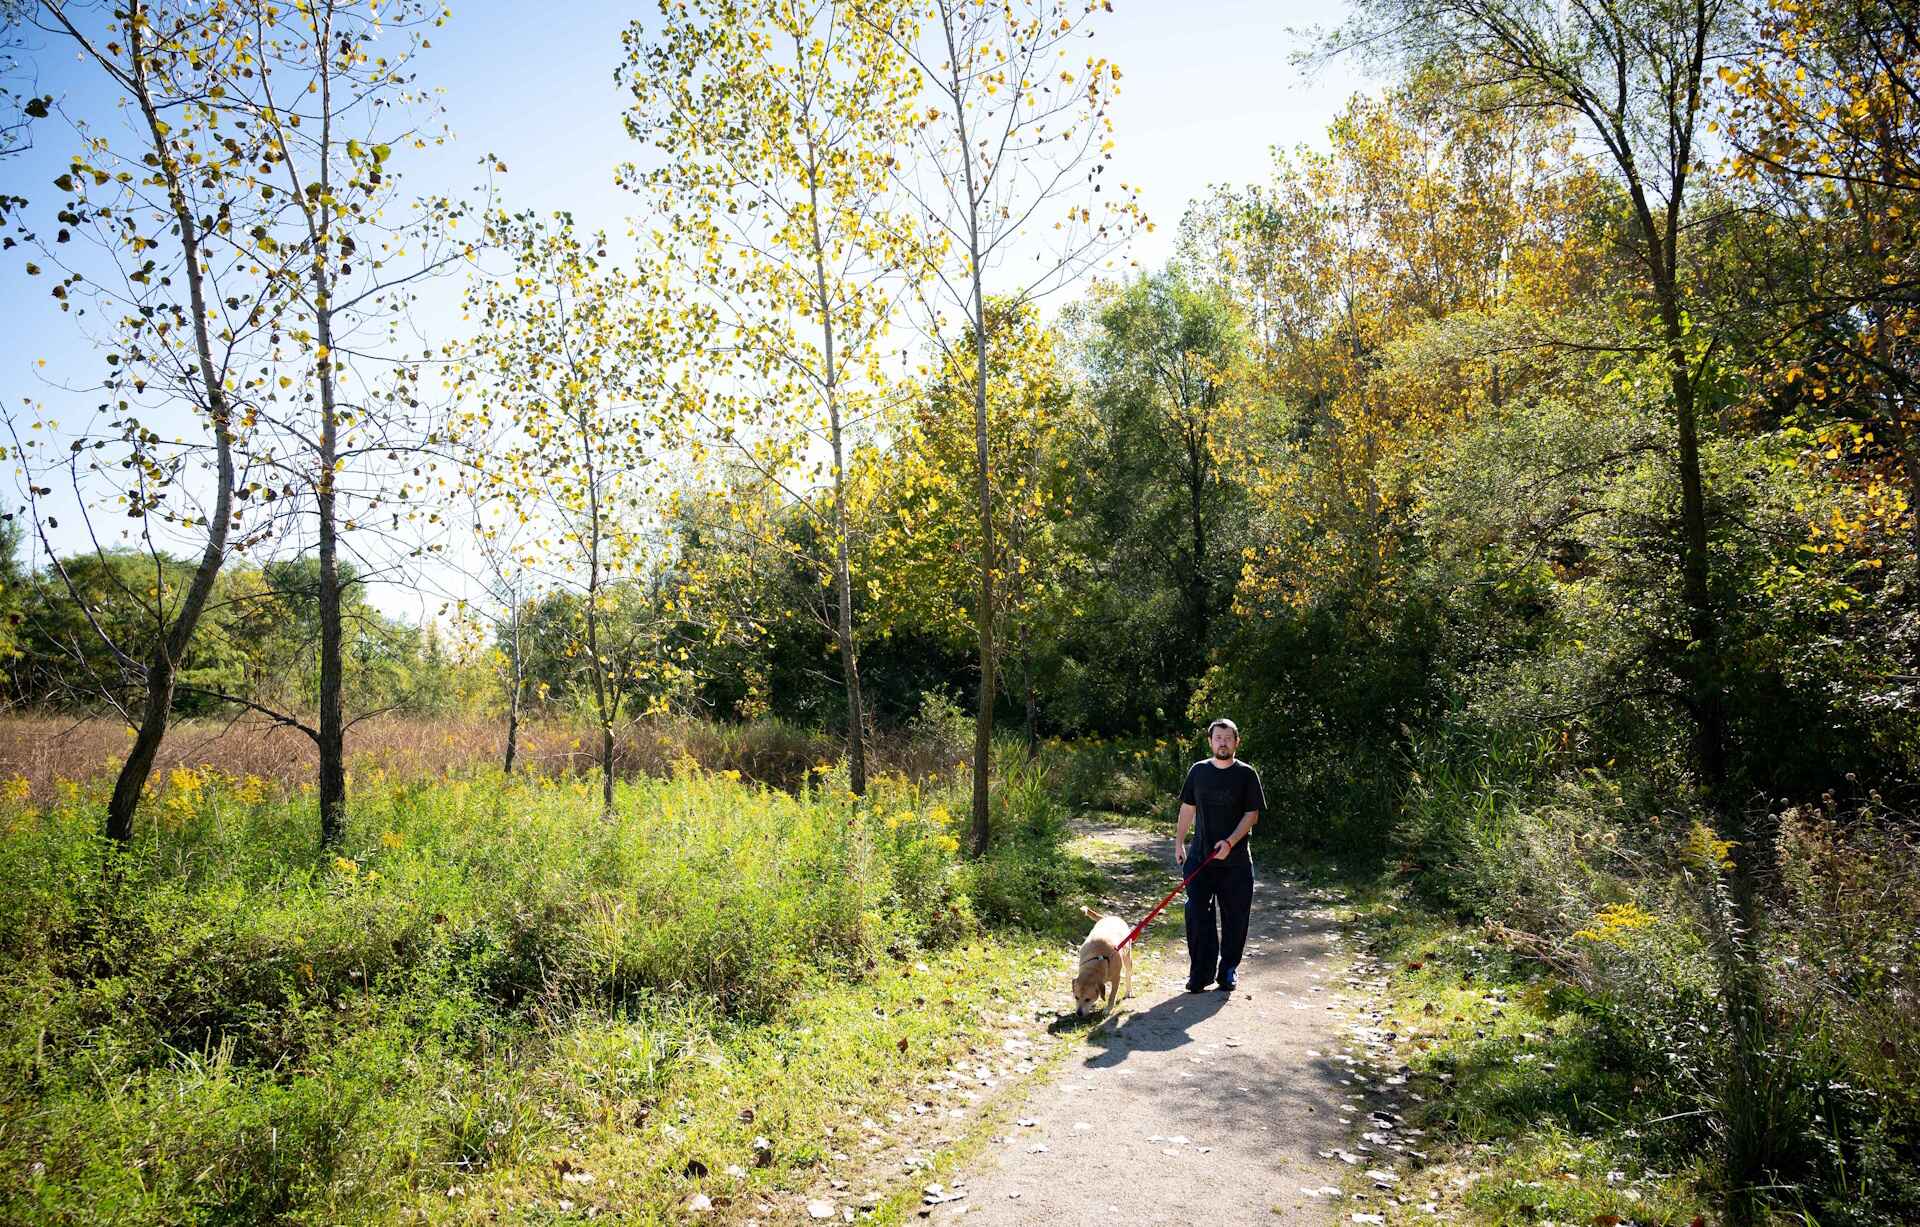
[(332, 724), (332, 741), (606, 769), (982, 831), (850, 664), (1197, 582), (163, 667), (514, 684), (1033, 708), (983, 721), (513, 729), (842, 573), (1702, 664), (146, 743), (606, 700)]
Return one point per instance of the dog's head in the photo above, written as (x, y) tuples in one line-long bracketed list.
[(1090, 982)]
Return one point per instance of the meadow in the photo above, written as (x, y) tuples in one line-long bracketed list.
[(489, 1003)]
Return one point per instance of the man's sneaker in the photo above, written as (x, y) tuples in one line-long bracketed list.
[(1195, 988), (1230, 981)]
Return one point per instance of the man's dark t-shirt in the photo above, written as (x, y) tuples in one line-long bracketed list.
[(1222, 795)]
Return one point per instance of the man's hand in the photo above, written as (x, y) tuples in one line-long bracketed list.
[(1221, 849), (1179, 854)]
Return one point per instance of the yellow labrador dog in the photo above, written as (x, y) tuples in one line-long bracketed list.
[(1106, 970)]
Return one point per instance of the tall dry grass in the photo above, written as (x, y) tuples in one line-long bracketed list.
[(44, 750)]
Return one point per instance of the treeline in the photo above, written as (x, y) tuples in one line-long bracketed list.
[(1462, 413)]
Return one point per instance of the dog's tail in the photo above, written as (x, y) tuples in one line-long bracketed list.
[(1091, 914)]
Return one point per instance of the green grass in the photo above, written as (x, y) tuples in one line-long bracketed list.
[(492, 1004), (1531, 1110)]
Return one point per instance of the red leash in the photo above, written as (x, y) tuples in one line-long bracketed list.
[(1161, 906)]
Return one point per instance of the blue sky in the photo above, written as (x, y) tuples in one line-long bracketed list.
[(1209, 88)]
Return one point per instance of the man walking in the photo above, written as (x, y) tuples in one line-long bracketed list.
[(1225, 795)]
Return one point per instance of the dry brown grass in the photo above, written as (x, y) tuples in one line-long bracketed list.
[(45, 750), (48, 749)]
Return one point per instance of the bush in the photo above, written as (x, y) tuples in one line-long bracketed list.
[(1024, 879)]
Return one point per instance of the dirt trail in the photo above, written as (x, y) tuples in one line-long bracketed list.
[(1189, 1107)]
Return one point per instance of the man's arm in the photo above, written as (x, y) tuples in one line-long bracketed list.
[(1187, 811), (1239, 833)]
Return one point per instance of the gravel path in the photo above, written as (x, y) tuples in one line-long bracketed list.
[(1187, 1108)]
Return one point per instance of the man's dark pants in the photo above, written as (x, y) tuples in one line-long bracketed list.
[(1219, 901)]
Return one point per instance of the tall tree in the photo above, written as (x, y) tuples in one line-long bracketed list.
[(1164, 364), (926, 531), (183, 314), (1011, 148), (1636, 76), (575, 361), (329, 91), (777, 123)]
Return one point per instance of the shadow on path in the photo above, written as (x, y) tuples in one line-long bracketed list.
[(1161, 1028)]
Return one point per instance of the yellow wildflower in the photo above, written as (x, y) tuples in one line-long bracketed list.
[(1705, 848), (1617, 919), (184, 790)]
